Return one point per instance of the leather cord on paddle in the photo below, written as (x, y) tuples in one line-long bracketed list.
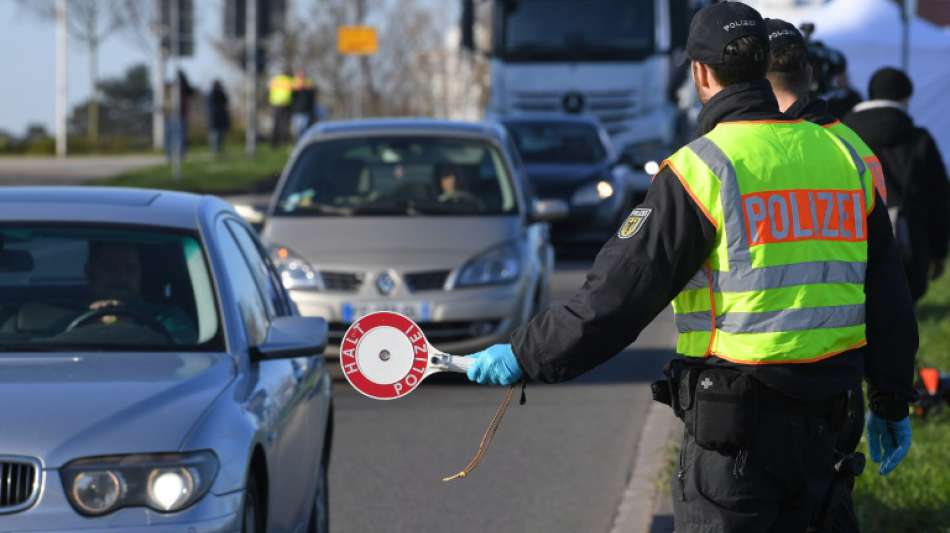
[(490, 431)]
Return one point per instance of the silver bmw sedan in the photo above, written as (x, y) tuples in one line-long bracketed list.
[(154, 374)]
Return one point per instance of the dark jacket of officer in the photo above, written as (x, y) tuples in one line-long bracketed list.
[(916, 182), (634, 279)]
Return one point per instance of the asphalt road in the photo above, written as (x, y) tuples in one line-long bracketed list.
[(557, 464)]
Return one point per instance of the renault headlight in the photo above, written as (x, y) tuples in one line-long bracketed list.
[(593, 193), (497, 266), (162, 482), (295, 272)]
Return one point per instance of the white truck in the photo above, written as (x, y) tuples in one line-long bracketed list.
[(617, 60)]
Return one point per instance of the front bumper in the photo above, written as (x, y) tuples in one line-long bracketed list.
[(452, 314), (53, 513)]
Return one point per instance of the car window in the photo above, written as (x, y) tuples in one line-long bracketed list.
[(105, 287), (398, 176), (244, 286), (273, 294), (557, 142)]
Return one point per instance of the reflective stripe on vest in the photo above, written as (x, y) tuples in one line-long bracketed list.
[(785, 282), (864, 152)]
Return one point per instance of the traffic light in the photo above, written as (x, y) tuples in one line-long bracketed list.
[(271, 15), (184, 10)]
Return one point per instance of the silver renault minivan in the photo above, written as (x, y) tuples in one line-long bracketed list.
[(432, 219)]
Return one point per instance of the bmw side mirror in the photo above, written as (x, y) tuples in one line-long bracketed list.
[(292, 336), (549, 210)]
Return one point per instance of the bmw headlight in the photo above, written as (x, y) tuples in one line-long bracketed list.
[(593, 193), (163, 482), (295, 272), (497, 266)]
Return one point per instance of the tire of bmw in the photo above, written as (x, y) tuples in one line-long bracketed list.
[(253, 517), (320, 517)]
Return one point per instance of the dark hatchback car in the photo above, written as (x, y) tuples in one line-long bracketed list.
[(571, 158)]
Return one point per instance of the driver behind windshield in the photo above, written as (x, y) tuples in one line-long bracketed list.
[(449, 184), (115, 276)]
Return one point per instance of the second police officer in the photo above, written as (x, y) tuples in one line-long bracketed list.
[(768, 237)]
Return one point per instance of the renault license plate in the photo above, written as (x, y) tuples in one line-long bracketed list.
[(417, 311)]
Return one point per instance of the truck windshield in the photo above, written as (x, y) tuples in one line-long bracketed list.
[(574, 30), (557, 142), (394, 175)]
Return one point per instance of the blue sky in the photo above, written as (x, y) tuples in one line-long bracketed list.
[(28, 60)]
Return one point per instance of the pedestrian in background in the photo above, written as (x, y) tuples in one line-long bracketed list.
[(918, 196), (280, 95), (176, 124), (219, 117), (303, 104)]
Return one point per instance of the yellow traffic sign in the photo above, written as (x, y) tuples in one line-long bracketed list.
[(356, 40)]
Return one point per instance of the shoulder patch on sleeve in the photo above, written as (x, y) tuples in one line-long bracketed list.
[(634, 222)]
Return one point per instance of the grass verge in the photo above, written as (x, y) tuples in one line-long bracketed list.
[(916, 496), (202, 173)]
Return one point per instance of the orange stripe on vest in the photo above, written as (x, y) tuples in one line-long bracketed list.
[(803, 215)]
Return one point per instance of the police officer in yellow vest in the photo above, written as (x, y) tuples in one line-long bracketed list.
[(280, 94), (768, 237), (790, 75)]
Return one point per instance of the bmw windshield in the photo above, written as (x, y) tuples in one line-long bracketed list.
[(398, 176), (104, 288), (573, 30)]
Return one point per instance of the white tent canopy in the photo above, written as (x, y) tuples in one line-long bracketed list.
[(869, 32)]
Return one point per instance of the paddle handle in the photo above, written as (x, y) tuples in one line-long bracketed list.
[(452, 363)]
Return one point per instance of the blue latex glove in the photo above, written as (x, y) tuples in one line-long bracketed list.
[(495, 366), (893, 437)]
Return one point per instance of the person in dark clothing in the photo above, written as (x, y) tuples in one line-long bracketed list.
[(302, 104), (918, 198), (176, 124), (219, 117), (761, 459)]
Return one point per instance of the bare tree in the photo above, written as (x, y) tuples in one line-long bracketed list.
[(90, 22)]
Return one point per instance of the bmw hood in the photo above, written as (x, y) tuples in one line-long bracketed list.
[(402, 243), (64, 406)]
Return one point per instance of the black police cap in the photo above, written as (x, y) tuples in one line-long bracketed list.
[(782, 34), (717, 25)]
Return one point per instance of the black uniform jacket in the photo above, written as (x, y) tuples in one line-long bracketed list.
[(634, 279), (916, 182)]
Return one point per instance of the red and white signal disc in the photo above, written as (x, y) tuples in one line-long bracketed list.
[(384, 355)]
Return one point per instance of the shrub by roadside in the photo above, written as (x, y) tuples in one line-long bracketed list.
[(201, 173)]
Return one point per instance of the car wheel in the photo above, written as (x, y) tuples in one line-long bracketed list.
[(320, 517), (253, 517)]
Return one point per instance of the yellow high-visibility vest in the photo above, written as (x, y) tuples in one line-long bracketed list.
[(785, 280), (280, 90), (864, 152)]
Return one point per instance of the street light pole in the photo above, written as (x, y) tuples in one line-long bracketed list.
[(177, 89), (158, 78), (61, 82), (250, 77)]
